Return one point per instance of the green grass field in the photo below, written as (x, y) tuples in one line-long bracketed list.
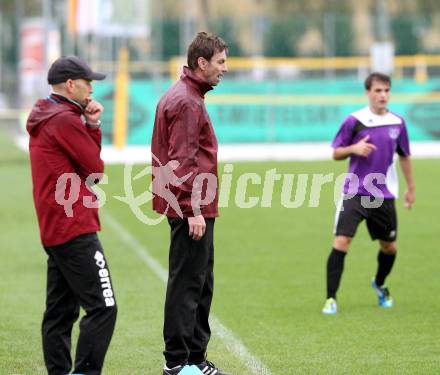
[(270, 265)]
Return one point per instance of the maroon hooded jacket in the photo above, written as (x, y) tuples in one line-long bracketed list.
[(61, 143), (184, 148)]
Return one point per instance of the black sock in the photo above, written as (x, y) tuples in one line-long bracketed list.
[(385, 263), (335, 266)]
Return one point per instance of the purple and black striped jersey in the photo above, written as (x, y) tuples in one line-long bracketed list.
[(376, 174)]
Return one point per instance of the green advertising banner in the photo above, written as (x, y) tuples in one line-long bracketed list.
[(274, 111)]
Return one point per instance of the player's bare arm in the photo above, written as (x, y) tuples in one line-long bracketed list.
[(410, 194), (362, 148)]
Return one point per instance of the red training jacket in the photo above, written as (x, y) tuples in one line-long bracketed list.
[(183, 135), (61, 143)]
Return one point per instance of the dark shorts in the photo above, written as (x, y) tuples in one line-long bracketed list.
[(381, 221)]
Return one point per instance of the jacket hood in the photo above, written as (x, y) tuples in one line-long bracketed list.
[(44, 110)]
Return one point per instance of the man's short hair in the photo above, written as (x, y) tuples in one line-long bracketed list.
[(376, 77), (204, 45)]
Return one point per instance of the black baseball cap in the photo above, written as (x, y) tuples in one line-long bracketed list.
[(71, 67)]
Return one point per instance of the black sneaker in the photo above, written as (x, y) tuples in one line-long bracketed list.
[(172, 371), (208, 368)]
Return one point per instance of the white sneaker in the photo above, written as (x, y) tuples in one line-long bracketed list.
[(330, 307)]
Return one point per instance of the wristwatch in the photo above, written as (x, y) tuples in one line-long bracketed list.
[(94, 126)]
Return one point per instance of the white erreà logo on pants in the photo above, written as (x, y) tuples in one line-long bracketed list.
[(104, 276)]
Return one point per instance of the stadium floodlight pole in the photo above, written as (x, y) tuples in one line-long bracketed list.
[(19, 11), (329, 36), (159, 33), (1, 53), (383, 21), (156, 35), (46, 13), (187, 23)]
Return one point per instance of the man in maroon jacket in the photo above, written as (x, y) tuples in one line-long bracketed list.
[(184, 149), (64, 147)]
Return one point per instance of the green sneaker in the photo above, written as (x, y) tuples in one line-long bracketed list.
[(383, 295), (330, 307)]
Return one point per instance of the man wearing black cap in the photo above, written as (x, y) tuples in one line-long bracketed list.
[(64, 148)]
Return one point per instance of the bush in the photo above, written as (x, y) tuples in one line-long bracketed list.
[(405, 39), (282, 36)]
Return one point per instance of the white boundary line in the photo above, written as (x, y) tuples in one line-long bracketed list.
[(307, 151), (232, 343)]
